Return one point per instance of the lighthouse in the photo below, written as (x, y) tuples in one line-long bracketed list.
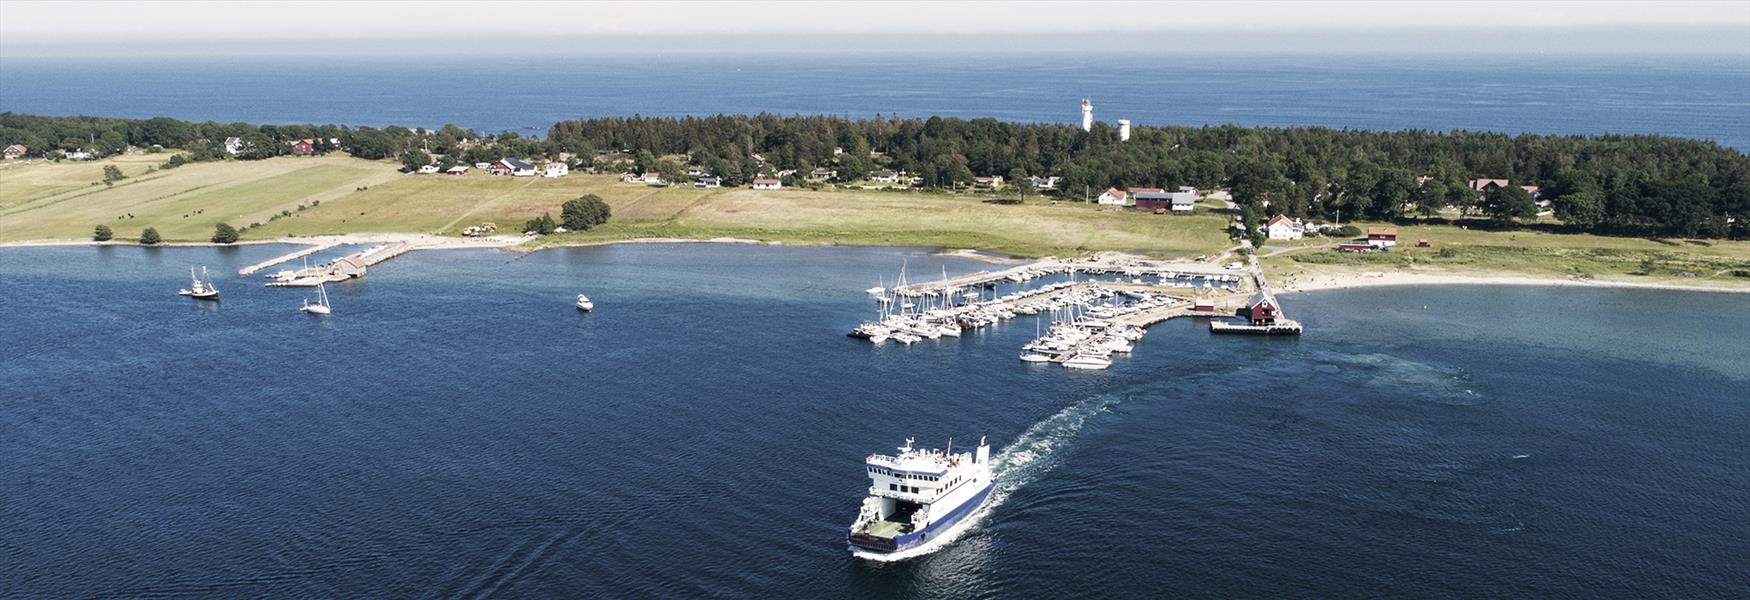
[(1124, 130), (1087, 115)]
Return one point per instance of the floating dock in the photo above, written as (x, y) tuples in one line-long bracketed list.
[(351, 266), (1280, 327)]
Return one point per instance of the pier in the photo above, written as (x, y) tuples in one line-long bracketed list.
[(351, 266), (252, 269)]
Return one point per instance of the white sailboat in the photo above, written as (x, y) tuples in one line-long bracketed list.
[(198, 289), (321, 306)]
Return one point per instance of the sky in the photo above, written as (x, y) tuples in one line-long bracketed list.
[(144, 28)]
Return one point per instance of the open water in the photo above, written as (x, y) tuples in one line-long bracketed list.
[(457, 429), (1706, 97)]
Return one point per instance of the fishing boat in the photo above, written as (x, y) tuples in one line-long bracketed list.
[(321, 306), (919, 500), (584, 304), (200, 287)]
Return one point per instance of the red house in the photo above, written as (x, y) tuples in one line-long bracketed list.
[(1382, 237), (1263, 309), (304, 147), (1203, 306)]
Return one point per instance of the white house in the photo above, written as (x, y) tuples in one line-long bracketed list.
[(884, 176), (1281, 227), (1184, 201), (1114, 197), (1044, 183), (78, 155), (708, 182), (767, 184), (233, 145), (512, 167), (556, 169)]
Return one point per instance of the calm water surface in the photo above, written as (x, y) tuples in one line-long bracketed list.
[(1706, 97), (456, 428)]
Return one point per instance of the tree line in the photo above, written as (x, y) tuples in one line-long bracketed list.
[(1620, 184)]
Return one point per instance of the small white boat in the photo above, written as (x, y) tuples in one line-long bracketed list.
[(1092, 362), (1034, 357), (584, 304), (321, 306)]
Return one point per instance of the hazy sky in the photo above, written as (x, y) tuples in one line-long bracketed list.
[(428, 27)]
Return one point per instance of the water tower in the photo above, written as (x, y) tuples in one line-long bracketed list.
[(1124, 130), (1087, 115)]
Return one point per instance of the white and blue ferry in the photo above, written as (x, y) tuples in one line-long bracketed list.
[(919, 500)]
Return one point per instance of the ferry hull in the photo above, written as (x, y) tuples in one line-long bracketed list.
[(868, 546)]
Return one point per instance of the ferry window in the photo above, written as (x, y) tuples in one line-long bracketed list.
[(892, 487)]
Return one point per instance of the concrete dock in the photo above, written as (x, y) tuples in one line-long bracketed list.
[(257, 267)]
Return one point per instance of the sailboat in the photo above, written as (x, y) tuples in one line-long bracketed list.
[(198, 289), (321, 307)]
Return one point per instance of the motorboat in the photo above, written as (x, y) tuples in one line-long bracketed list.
[(584, 304)]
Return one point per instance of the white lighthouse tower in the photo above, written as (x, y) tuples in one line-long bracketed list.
[(1124, 130), (1087, 115)]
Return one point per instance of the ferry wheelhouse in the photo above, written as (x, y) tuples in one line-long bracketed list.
[(918, 499)]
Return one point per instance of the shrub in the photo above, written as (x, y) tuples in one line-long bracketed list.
[(102, 234), (150, 237)]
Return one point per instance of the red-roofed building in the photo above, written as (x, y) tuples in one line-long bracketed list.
[(1114, 197), (304, 147), (1382, 237)]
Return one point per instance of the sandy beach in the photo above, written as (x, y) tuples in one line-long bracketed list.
[(1344, 280)]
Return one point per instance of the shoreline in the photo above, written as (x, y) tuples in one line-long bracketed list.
[(1344, 281), (1298, 284)]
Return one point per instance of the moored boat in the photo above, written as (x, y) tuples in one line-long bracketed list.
[(584, 304)]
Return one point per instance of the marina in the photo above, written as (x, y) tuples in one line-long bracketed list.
[(1095, 307)]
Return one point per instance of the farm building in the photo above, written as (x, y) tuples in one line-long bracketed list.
[(1114, 197), (1382, 237), (767, 184)]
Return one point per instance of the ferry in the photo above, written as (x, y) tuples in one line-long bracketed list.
[(919, 500)]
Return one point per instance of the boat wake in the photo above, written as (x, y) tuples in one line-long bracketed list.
[(1022, 462)]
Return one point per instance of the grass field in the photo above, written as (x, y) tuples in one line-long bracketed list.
[(1473, 251), (65, 201), (339, 195)]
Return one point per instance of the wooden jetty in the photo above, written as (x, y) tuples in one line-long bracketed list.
[(253, 269)]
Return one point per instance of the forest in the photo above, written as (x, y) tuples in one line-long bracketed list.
[(1617, 184)]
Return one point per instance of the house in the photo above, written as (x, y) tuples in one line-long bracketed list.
[(1183, 202), (1423, 179), (698, 172), (822, 174), (1382, 237), (233, 145), (837, 150), (78, 155), (1151, 199), (1114, 197), (767, 184), (1533, 190), (304, 147), (884, 176), (1044, 183), (457, 170), (1188, 188), (428, 169), (482, 165), (556, 169), (1262, 309), (15, 151), (1281, 227), (708, 182), (653, 178), (512, 167), (988, 182), (1484, 186), (1203, 306)]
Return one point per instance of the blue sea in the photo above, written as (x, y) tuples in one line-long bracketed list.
[(457, 429), (1704, 97)]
